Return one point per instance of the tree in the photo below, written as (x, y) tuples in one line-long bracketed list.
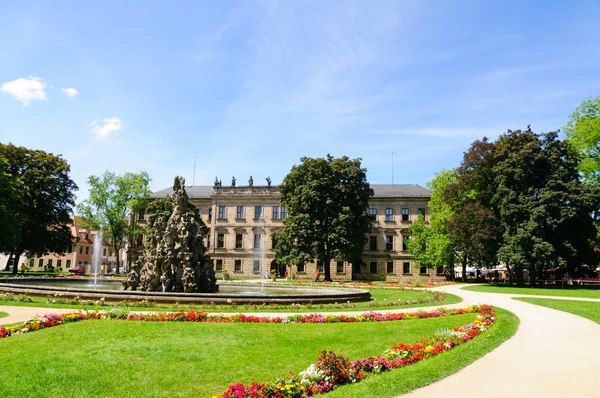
[(113, 200), (583, 131), (430, 243), (40, 202), (327, 201)]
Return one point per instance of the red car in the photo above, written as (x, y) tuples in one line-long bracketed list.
[(78, 269)]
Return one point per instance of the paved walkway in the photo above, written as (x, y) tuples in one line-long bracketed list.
[(553, 354)]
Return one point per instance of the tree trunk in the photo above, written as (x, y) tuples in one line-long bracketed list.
[(464, 269), (7, 268), (117, 271), (327, 266), (16, 262)]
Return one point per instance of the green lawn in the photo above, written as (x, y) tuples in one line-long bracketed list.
[(382, 297), (586, 309), (3, 314), (536, 291), (138, 359)]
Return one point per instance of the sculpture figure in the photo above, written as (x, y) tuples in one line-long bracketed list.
[(269, 181), (251, 181), (216, 182), (233, 181)]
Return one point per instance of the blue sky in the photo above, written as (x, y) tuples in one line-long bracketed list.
[(249, 87)]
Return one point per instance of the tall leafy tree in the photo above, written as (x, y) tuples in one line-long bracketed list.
[(583, 131), (327, 200), (430, 243), (41, 199), (112, 200)]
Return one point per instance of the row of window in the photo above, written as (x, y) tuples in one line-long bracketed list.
[(50, 263), (389, 242), (406, 268), (239, 241), (278, 213), (389, 213)]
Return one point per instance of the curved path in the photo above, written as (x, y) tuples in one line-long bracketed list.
[(553, 354)]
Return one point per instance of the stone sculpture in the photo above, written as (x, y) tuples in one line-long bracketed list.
[(251, 181), (233, 181), (269, 181), (175, 259)]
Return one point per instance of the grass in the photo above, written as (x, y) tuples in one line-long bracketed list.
[(586, 309), (138, 359), (382, 296), (536, 291), (3, 314)]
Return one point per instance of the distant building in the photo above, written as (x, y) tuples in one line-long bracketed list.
[(241, 220)]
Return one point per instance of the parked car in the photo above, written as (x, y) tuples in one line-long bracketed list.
[(78, 270)]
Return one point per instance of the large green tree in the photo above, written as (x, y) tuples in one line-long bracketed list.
[(430, 243), (112, 201), (327, 201), (40, 202), (583, 131)]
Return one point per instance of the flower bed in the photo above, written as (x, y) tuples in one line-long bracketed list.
[(332, 370), (383, 285)]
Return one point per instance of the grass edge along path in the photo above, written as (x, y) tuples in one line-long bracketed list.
[(585, 309), (3, 314), (535, 291), (404, 380)]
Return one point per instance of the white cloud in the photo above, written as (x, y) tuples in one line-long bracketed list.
[(71, 92), (25, 90), (103, 128)]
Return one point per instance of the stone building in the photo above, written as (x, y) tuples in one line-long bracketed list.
[(241, 220)]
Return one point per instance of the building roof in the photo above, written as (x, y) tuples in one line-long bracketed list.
[(381, 191)]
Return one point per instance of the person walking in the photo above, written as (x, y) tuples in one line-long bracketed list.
[(317, 275)]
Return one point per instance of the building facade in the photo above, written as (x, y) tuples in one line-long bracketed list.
[(242, 219)]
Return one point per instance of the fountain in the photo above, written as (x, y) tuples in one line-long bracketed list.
[(96, 255)]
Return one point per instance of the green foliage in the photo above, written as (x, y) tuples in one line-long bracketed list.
[(430, 243), (112, 200), (36, 212), (327, 202), (583, 131)]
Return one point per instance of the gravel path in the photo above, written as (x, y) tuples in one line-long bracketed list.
[(553, 354)]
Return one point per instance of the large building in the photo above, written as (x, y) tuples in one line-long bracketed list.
[(241, 220)]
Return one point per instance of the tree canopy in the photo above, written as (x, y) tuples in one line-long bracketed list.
[(583, 131), (36, 213), (327, 201), (112, 201)]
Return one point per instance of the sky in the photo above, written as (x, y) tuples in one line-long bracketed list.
[(247, 88)]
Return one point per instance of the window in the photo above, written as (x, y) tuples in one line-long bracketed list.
[(110, 252), (372, 242), (208, 242), (283, 212), (421, 211), (406, 267), (30, 263), (49, 262), (320, 266), (275, 212), (104, 252), (219, 264), (339, 267), (240, 212), (222, 212), (404, 242), (389, 242), (373, 213), (239, 241), (87, 250), (301, 268), (256, 266), (439, 270), (142, 214), (423, 270), (405, 214), (70, 249), (220, 241), (237, 266), (257, 212), (390, 267), (373, 267), (257, 241), (389, 214), (209, 214), (68, 264), (80, 249), (59, 263), (79, 262), (85, 262)]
